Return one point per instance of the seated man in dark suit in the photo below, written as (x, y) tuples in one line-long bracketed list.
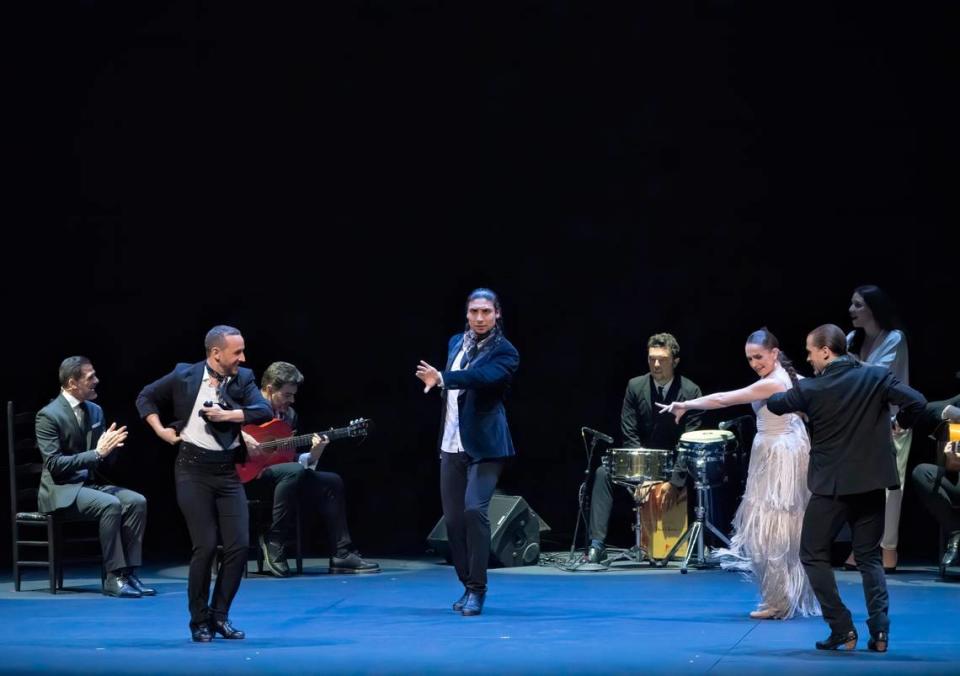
[(643, 427), (74, 444), (939, 487), (300, 483)]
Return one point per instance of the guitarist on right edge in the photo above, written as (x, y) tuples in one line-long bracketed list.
[(299, 484)]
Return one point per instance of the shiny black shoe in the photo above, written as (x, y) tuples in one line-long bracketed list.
[(137, 584), (951, 554), (118, 587), (847, 639), (596, 554), (274, 558), (200, 633), (458, 604), (878, 642), (225, 629), (352, 563), (474, 603)]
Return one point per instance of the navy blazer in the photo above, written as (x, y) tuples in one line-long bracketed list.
[(483, 387), (67, 449), (848, 407), (181, 386)]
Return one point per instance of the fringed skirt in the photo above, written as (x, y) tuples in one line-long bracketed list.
[(766, 540)]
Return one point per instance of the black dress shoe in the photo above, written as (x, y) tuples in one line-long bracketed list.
[(117, 586), (200, 633), (274, 558), (878, 642), (474, 603), (352, 563), (596, 554), (225, 629), (137, 584), (847, 639), (951, 553), (458, 604)]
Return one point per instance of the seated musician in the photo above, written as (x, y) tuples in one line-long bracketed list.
[(642, 427), (297, 483), (939, 486)]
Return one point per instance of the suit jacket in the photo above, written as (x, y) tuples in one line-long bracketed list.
[(483, 387), (181, 386), (638, 414), (67, 450), (847, 406)]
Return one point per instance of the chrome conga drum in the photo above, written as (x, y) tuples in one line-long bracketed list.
[(637, 465), (706, 454)]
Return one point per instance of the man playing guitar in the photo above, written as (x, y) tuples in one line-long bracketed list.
[(275, 465)]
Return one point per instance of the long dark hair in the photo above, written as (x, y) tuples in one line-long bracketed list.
[(487, 294), (769, 341), (830, 336), (884, 312)]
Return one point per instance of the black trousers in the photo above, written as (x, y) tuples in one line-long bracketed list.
[(122, 516), (212, 498), (466, 486), (939, 492), (280, 482), (823, 519), (601, 504), (323, 493), (294, 487)]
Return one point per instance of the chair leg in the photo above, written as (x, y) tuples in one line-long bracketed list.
[(299, 545), (53, 530), (16, 556)]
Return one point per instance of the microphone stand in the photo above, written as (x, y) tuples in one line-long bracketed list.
[(583, 500)]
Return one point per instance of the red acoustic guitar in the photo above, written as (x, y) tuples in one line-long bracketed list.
[(279, 444)]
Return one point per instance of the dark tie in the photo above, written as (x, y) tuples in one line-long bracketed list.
[(660, 393)]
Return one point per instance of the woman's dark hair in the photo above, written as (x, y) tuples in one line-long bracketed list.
[(884, 312), (769, 341)]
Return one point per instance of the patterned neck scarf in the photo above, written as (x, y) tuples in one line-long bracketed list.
[(470, 340)]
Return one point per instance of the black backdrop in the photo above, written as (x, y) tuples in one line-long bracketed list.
[(333, 180)]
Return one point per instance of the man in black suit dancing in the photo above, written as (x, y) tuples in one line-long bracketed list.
[(210, 399), (852, 462)]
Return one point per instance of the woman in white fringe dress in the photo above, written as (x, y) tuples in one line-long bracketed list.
[(766, 539)]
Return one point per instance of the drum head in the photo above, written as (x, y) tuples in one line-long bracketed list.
[(707, 436)]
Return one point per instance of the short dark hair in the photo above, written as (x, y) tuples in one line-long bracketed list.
[(830, 336), (216, 335), (71, 367), (665, 340), (280, 373)]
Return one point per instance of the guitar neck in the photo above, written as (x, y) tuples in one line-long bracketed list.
[(304, 439)]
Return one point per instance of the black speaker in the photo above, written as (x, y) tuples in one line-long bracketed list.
[(514, 533)]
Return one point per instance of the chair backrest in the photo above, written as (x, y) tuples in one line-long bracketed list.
[(25, 461)]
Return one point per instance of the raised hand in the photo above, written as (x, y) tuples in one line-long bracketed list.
[(429, 375), (112, 438), (677, 408)]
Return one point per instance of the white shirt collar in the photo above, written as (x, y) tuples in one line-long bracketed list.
[(72, 400)]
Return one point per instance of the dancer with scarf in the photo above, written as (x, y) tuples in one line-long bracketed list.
[(474, 437)]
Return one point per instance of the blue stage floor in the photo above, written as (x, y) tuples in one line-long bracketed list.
[(537, 620)]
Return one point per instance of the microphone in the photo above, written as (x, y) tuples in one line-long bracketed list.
[(599, 435)]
